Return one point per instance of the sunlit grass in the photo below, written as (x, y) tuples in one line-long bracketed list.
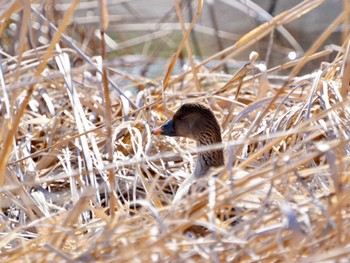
[(282, 196)]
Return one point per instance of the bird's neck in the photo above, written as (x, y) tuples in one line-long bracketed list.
[(210, 158)]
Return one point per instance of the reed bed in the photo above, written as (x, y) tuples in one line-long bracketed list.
[(83, 179)]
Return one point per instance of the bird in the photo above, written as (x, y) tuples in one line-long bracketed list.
[(198, 122)]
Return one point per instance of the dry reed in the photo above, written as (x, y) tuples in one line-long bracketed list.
[(67, 195)]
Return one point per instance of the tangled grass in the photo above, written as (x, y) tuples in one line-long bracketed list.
[(83, 179)]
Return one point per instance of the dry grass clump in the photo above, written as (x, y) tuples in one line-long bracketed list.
[(67, 195)]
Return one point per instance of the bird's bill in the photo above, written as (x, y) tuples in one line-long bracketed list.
[(166, 129)]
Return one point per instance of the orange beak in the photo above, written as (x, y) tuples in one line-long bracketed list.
[(157, 131)]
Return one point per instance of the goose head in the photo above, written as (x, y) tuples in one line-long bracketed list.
[(196, 121)]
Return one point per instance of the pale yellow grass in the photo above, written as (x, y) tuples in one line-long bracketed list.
[(83, 179)]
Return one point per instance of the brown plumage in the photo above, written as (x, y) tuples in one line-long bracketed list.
[(198, 122)]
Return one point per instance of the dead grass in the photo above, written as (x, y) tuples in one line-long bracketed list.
[(66, 195)]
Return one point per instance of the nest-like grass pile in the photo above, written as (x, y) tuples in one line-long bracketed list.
[(66, 194)]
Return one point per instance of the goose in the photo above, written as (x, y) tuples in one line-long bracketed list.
[(196, 121)]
